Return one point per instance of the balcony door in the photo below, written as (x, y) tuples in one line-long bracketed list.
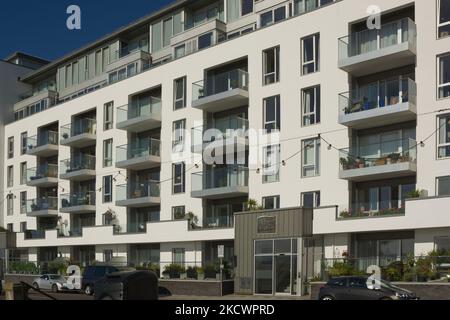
[(380, 145)]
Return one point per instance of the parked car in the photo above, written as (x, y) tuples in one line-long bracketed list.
[(53, 282), (134, 285), (92, 274), (355, 288)]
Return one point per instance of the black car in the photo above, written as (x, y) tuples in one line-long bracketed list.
[(134, 285), (355, 288), (92, 274)]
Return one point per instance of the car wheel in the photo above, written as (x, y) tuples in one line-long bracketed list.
[(36, 286), (54, 288), (88, 290), (327, 298)]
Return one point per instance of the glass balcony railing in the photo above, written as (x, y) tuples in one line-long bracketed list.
[(225, 221), (136, 190), (371, 40), (78, 199), (42, 139), (382, 208), (141, 148), (229, 176), (222, 82), (78, 162), (44, 171), (220, 128), (381, 94), (78, 127), (40, 204), (34, 234), (379, 154), (146, 107)]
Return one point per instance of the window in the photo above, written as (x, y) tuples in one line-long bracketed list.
[(23, 142), (180, 51), (444, 76), (10, 176), (443, 186), (10, 204), (107, 153), (107, 255), (178, 212), (311, 157), (107, 189), (311, 106), (443, 18), (178, 174), (10, 147), (10, 227), (23, 202), (179, 88), (310, 54), (246, 7), (271, 65), (271, 164), (310, 199), (272, 16), (178, 256), (272, 202), (444, 136), (108, 116), (205, 41), (272, 121), (178, 133), (23, 173), (23, 227)]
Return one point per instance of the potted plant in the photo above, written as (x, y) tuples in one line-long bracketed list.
[(183, 274), (201, 93), (65, 135), (345, 214), (344, 163), (210, 271), (200, 273), (193, 219)]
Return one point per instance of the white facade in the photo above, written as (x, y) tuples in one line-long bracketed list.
[(426, 218)]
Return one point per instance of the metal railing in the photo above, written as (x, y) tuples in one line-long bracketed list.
[(44, 203), (378, 154), (140, 148), (47, 170), (78, 127), (228, 176), (147, 107), (381, 94), (78, 162), (136, 190), (78, 199), (370, 40), (222, 82), (42, 139)]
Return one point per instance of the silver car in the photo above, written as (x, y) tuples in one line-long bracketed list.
[(53, 282)]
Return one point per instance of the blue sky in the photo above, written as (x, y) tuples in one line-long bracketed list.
[(38, 27)]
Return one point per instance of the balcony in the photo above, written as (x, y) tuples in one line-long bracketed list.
[(81, 133), (43, 207), (45, 144), (221, 92), (34, 234), (376, 50), (416, 214), (143, 154), (389, 159), (218, 222), (138, 194), (220, 183), (378, 104), (45, 98), (77, 203), (226, 136), (138, 118), (78, 168), (131, 61), (43, 176)]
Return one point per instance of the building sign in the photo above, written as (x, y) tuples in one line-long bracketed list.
[(267, 224)]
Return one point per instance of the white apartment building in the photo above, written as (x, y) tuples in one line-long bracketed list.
[(360, 118)]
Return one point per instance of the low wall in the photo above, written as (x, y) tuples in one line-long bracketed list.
[(425, 291)]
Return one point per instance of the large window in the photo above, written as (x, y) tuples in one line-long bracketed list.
[(272, 121), (443, 18), (443, 186), (23, 173), (311, 157), (10, 147), (444, 76), (179, 88), (310, 54), (311, 106), (10, 204), (23, 142), (272, 202), (302, 6), (178, 175), (179, 256), (271, 164), (108, 116), (271, 65), (23, 202), (273, 16), (107, 153), (10, 176), (310, 199), (107, 189), (178, 134), (444, 137)]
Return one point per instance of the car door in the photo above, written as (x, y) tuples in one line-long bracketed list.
[(45, 282), (358, 290), (338, 288)]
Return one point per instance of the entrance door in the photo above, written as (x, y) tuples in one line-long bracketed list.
[(282, 274)]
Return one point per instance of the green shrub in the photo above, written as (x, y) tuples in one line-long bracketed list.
[(343, 269), (394, 271)]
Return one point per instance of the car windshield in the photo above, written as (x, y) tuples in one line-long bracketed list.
[(57, 277)]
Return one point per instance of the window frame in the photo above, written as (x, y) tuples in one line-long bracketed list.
[(23, 202), (108, 124), (182, 183), (272, 178), (439, 84), (180, 131), (438, 137), (107, 159), (10, 204), (23, 142), (316, 198), (10, 147), (437, 186), (10, 176), (438, 20), (316, 165), (272, 13), (184, 94), (276, 63), (317, 105), (276, 202), (277, 120), (174, 208), (316, 54), (23, 173), (104, 194)]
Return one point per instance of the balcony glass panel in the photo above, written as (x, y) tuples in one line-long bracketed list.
[(140, 148), (42, 139), (78, 127), (44, 171), (78, 162), (146, 107), (136, 190), (44, 203), (229, 176), (78, 199), (222, 82)]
